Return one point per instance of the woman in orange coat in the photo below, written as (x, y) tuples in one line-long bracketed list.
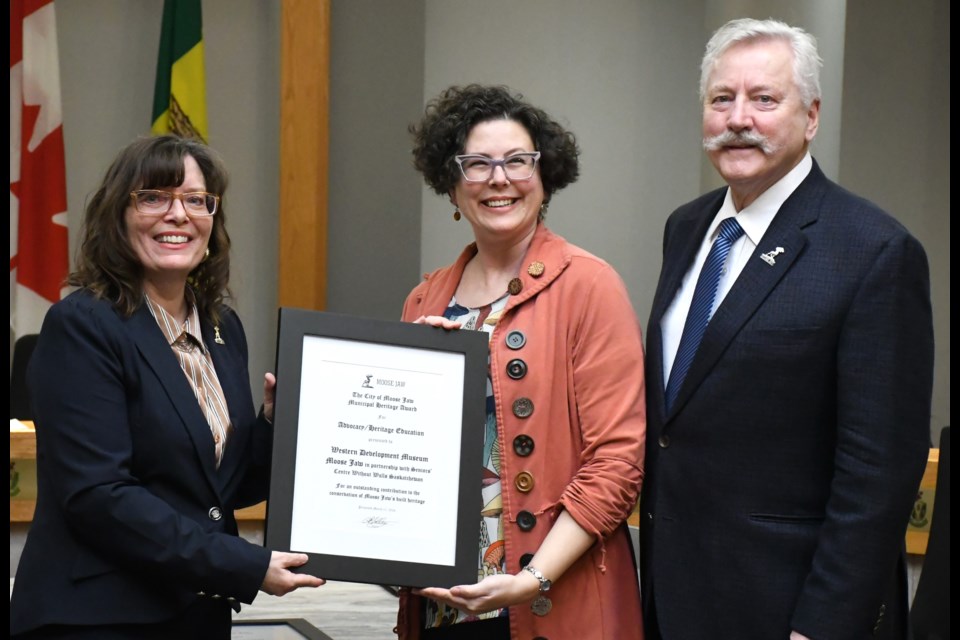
[(564, 439)]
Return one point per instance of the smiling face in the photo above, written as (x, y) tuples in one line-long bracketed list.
[(755, 126), (171, 245), (500, 210)]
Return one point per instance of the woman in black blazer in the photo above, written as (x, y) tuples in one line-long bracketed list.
[(147, 439)]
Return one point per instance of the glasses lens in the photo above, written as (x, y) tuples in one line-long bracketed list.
[(153, 201), (520, 166), (476, 168), (200, 203)]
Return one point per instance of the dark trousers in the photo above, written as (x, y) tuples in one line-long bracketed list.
[(490, 629), (206, 619)]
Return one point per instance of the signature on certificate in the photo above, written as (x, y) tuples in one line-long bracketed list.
[(375, 522)]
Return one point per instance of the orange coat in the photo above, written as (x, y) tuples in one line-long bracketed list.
[(584, 378)]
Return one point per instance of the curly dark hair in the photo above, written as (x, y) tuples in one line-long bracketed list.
[(108, 266), (448, 119)]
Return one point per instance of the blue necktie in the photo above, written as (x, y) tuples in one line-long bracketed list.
[(701, 305)]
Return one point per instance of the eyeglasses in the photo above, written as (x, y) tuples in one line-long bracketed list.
[(519, 166), (156, 202)]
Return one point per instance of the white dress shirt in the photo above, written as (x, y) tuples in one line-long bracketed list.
[(755, 219)]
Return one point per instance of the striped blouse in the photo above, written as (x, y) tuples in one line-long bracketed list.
[(197, 365)]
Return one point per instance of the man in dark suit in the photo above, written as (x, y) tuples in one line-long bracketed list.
[(789, 384)]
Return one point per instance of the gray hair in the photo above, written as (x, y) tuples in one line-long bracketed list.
[(806, 60)]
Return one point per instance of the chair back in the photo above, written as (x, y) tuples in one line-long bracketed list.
[(19, 394)]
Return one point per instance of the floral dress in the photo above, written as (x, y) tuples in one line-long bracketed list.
[(490, 557)]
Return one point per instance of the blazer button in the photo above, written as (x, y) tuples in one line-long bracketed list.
[(524, 482), (526, 520), (523, 445), (516, 369), (525, 559), (522, 407), (664, 441), (515, 286), (215, 513), (516, 339)]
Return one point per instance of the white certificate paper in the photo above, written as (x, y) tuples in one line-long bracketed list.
[(377, 457)]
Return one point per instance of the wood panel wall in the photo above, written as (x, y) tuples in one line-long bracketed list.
[(304, 143)]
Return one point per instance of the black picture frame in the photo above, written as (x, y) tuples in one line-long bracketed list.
[(469, 349)]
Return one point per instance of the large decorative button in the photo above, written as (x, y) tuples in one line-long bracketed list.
[(515, 286), (516, 339), (523, 482), (526, 520), (664, 441), (525, 559), (215, 513), (535, 269), (523, 445), (516, 368), (522, 407)]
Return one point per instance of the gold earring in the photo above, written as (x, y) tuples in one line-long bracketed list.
[(206, 254), (456, 214)]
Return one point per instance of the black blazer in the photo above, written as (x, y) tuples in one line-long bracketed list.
[(778, 488), (133, 518)]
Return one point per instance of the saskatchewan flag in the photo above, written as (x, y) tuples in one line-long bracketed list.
[(180, 96)]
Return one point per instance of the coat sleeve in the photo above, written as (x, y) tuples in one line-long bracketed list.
[(608, 384), (884, 384)]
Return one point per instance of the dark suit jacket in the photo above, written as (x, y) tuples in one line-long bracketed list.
[(778, 488), (133, 518)]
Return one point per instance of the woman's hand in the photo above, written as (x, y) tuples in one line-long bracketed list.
[(280, 580), (490, 594), (437, 321), (269, 395)]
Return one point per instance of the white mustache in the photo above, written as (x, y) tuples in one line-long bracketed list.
[(739, 139)]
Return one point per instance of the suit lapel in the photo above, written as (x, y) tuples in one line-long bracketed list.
[(159, 357), (757, 280)]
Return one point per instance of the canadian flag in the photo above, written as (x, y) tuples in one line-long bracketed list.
[(38, 184)]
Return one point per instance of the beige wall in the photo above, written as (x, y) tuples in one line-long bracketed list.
[(896, 131)]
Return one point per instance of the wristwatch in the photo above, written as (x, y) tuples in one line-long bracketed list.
[(544, 583)]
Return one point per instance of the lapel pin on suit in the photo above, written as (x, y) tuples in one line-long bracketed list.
[(770, 256), (216, 335)]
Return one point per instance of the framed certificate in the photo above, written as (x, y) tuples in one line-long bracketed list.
[(378, 436)]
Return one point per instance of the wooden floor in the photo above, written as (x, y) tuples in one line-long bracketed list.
[(342, 610)]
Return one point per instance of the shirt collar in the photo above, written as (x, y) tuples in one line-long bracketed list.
[(756, 217), (171, 329)]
